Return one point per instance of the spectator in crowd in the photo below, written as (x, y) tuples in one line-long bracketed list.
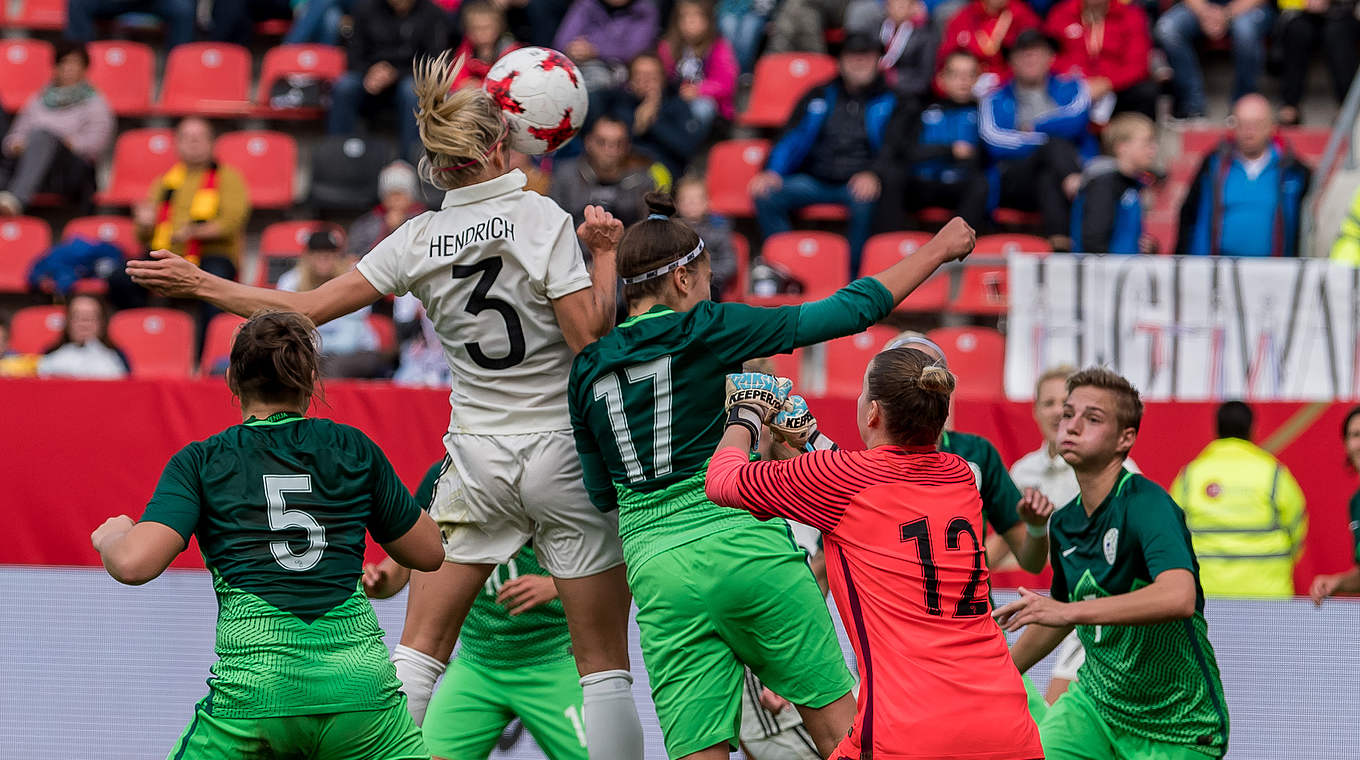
[(84, 350), (691, 207), (1305, 26), (349, 345), (485, 40), (909, 45), (1246, 21), (800, 25), (1347, 582), (535, 22), (198, 209), (58, 137), (422, 362), (1244, 510), (1036, 129), (700, 63), (1346, 249), (609, 174), (13, 363), (235, 21), (602, 36), (1106, 43), (742, 23), (987, 29), (1107, 215), (840, 136), (662, 123), (179, 16), (1247, 197), (398, 187), (388, 36), (317, 22), (536, 180), (943, 154)]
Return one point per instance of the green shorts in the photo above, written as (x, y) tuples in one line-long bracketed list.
[(475, 703), (1073, 729), (386, 734), (1037, 706), (739, 596)]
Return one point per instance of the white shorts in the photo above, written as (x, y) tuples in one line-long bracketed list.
[(772, 736), (498, 492), (1070, 657)]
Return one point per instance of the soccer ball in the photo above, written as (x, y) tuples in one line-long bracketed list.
[(542, 95)]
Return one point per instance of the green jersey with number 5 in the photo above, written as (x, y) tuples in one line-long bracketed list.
[(280, 507), (646, 405)]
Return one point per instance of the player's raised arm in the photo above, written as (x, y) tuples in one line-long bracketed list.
[(587, 314), (175, 277), (952, 243)]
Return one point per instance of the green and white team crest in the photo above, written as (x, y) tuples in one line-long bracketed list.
[(1110, 545)]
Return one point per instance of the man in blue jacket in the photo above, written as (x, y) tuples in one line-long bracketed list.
[(1248, 194), (841, 135), (1036, 129)]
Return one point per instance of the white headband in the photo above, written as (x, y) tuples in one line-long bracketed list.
[(667, 269), (916, 340)]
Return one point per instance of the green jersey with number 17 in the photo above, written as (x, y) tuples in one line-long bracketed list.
[(1157, 681), (647, 405), (280, 507)]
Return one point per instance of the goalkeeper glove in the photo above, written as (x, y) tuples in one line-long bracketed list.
[(753, 398), (795, 425)]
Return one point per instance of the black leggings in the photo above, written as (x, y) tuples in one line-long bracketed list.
[(1304, 33)]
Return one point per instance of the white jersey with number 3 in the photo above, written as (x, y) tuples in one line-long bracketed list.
[(487, 267)]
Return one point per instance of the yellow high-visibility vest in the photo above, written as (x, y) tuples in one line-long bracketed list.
[(1246, 517), (1346, 249)]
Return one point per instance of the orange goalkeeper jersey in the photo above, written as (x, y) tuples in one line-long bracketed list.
[(904, 552)]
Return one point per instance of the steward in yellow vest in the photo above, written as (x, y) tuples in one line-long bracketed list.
[(1245, 512)]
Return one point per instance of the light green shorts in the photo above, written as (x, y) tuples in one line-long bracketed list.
[(1037, 706), (739, 596), (474, 704), (386, 734), (1073, 729)]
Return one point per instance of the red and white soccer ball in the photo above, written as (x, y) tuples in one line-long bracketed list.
[(543, 97)]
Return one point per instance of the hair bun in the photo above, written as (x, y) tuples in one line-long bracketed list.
[(660, 203), (936, 379)]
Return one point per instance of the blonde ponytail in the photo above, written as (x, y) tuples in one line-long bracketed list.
[(460, 129)]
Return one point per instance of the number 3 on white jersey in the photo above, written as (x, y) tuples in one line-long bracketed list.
[(283, 518)]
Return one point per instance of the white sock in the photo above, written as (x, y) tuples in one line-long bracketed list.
[(613, 730), (417, 672)]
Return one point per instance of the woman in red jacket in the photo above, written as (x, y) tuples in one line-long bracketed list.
[(1107, 43)]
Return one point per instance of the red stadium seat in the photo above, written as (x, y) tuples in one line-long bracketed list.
[(386, 330), (217, 342), (781, 80), (847, 358), (1164, 226), (206, 79), (118, 230), (39, 15), (790, 366), (824, 212), (1197, 142), (140, 157), (886, 249), (741, 284), (1015, 218), (1002, 244), (1308, 143), (280, 245), (37, 328), (157, 342), (325, 62), (935, 216), (731, 165), (267, 160), (25, 68), (977, 357), (124, 73), (23, 239), (983, 290), (819, 260)]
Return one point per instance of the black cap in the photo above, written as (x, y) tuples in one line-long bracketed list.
[(1031, 38), (323, 240), (859, 42)]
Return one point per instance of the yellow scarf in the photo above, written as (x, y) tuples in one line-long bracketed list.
[(203, 207)]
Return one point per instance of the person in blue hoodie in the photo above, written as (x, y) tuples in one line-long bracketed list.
[(1107, 215), (1037, 132), (942, 160), (842, 135), (1247, 196)]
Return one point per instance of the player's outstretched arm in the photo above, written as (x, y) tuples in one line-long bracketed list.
[(1036, 643), (1028, 539), (1337, 583), (419, 548), (1170, 596), (587, 315), (134, 553), (175, 277), (952, 243)]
